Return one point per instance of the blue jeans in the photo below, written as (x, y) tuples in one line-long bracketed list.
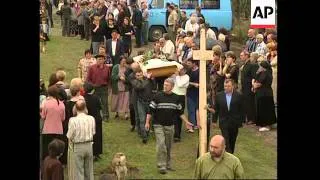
[(192, 105), (141, 121), (95, 47)]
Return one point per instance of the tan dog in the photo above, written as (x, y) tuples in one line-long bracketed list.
[(119, 165)]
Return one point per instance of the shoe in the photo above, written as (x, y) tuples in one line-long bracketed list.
[(263, 129), (144, 141), (170, 169), (132, 129), (162, 171), (95, 158), (250, 122), (176, 140), (190, 131), (116, 116), (126, 117), (195, 127)]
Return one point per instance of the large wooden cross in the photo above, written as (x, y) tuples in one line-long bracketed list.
[(203, 55)]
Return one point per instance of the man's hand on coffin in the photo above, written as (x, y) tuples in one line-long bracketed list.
[(122, 78), (149, 75)]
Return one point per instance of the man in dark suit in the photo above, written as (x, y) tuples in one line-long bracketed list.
[(137, 24), (114, 47), (230, 110)]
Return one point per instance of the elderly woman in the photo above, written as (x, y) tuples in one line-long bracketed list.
[(261, 48), (120, 90), (261, 85)]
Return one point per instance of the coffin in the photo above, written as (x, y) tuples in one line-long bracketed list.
[(158, 67)]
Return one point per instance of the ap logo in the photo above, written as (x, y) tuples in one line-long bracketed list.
[(263, 14)]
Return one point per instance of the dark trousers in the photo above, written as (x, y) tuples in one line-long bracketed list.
[(230, 135), (138, 36), (250, 107), (132, 115), (66, 27), (50, 15), (178, 121), (81, 31), (102, 93), (141, 121), (86, 28), (159, 82)]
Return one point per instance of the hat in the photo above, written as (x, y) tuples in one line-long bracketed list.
[(99, 55)]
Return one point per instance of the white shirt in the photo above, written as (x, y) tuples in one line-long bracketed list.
[(191, 27), (168, 48), (181, 84), (81, 128), (113, 45), (115, 13), (211, 34), (261, 49)]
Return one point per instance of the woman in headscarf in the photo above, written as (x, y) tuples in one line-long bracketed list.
[(261, 85)]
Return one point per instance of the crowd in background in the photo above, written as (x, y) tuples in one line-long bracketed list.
[(107, 66)]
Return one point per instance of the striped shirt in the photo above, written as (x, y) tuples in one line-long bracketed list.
[(251, 45), (81, 128), (165, 108)]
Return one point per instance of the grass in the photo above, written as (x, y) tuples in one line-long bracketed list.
[(258, 157)]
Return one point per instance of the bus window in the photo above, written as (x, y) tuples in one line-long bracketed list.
[(158, 4), (188, 4), (210, 4)]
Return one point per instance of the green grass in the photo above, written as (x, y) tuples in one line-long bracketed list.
[(258, 157)]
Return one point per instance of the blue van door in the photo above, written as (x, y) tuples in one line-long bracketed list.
[(157, 19)]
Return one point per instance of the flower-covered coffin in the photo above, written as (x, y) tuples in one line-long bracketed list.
[(158, 67)]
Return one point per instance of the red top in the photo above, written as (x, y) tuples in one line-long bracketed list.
[(98, 76)]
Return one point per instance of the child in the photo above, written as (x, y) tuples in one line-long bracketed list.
[(52, 167)]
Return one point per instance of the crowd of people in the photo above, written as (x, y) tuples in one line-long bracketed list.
[(72, 114)]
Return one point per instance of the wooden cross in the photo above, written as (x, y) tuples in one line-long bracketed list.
[(203, 55)]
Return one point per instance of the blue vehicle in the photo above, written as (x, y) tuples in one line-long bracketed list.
[(217, 13)]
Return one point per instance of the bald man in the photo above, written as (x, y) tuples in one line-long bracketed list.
[(251, 43), (80, 135), (217, 163)]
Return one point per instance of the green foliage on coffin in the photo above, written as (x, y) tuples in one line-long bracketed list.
[(149, 55)]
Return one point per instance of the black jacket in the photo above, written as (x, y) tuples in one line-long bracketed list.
[(233, 117), (118, 53), (247, 74), (137, 18)]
